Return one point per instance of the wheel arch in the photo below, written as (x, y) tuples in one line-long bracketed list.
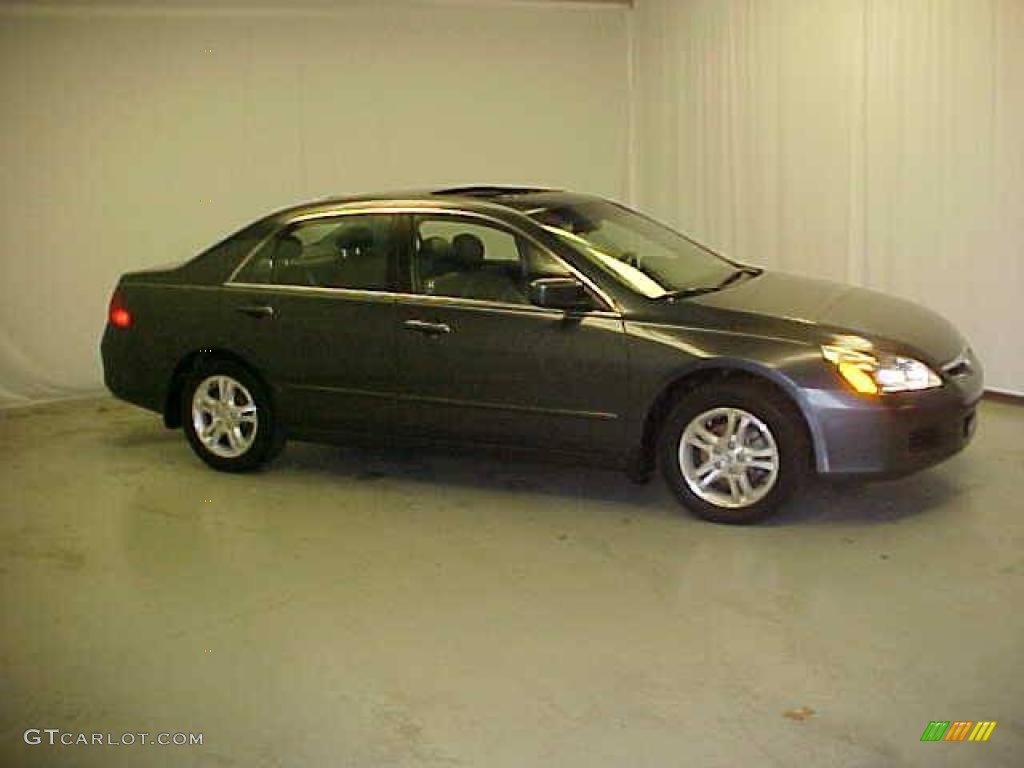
[(186, 366), (711, 370)]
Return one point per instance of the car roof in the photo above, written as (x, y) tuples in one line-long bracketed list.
[(479, 197)]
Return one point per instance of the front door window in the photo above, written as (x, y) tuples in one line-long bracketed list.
[(465, 259)]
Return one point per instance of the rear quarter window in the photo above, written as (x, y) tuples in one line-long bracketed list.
[(215, 264)]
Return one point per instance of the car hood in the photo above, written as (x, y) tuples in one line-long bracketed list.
[(843, 309)]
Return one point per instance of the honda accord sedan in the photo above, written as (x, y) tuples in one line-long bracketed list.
[(543, 321)]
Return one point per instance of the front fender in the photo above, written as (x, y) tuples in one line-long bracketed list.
[(663, 359)]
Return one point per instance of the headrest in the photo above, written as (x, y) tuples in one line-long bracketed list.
[(287, 249), (468, 249), (360, 238), (435, 247)]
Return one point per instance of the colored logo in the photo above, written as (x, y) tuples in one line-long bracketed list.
[(958, 730)]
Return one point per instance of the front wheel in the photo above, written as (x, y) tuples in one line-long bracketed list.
[(228, 418), (733, 452)]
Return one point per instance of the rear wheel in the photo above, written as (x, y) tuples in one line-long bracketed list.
[(228, 418), (733, 452)]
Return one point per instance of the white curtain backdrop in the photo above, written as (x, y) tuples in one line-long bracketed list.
[(879, 142), (137, 132), (875, 141)]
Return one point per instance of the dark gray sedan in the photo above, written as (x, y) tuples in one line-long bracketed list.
[(539, 320)]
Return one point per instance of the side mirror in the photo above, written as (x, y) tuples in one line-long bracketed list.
[(559, 293)]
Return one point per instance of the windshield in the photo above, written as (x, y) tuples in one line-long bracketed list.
[(643, 255)]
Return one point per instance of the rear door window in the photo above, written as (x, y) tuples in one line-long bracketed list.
[(355, 252)]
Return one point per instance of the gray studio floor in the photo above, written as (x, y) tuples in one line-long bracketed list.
[(386, 608)]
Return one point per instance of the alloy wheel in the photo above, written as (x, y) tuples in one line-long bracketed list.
[(224, 416), (728, 457)]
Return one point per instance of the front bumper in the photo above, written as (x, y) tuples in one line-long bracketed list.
[(893, 435)]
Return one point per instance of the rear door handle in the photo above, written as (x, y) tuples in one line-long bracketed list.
[(257, 311), (430, 329)]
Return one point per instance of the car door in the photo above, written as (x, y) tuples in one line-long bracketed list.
[(313, 310), (477, 361)]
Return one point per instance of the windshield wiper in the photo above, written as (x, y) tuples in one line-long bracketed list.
[(741, 272), (686, 293), (729, 280)]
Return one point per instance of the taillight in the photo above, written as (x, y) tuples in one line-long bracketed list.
[(118, 316)]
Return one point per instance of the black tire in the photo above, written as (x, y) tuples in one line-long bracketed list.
[(774, 411), (262, 444)]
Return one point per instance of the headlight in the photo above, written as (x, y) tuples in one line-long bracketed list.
[(871, 374)]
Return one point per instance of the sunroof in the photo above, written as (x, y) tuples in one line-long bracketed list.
[(488, 191)]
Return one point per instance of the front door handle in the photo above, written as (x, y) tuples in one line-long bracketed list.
[(257, 311), (430, 329)]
